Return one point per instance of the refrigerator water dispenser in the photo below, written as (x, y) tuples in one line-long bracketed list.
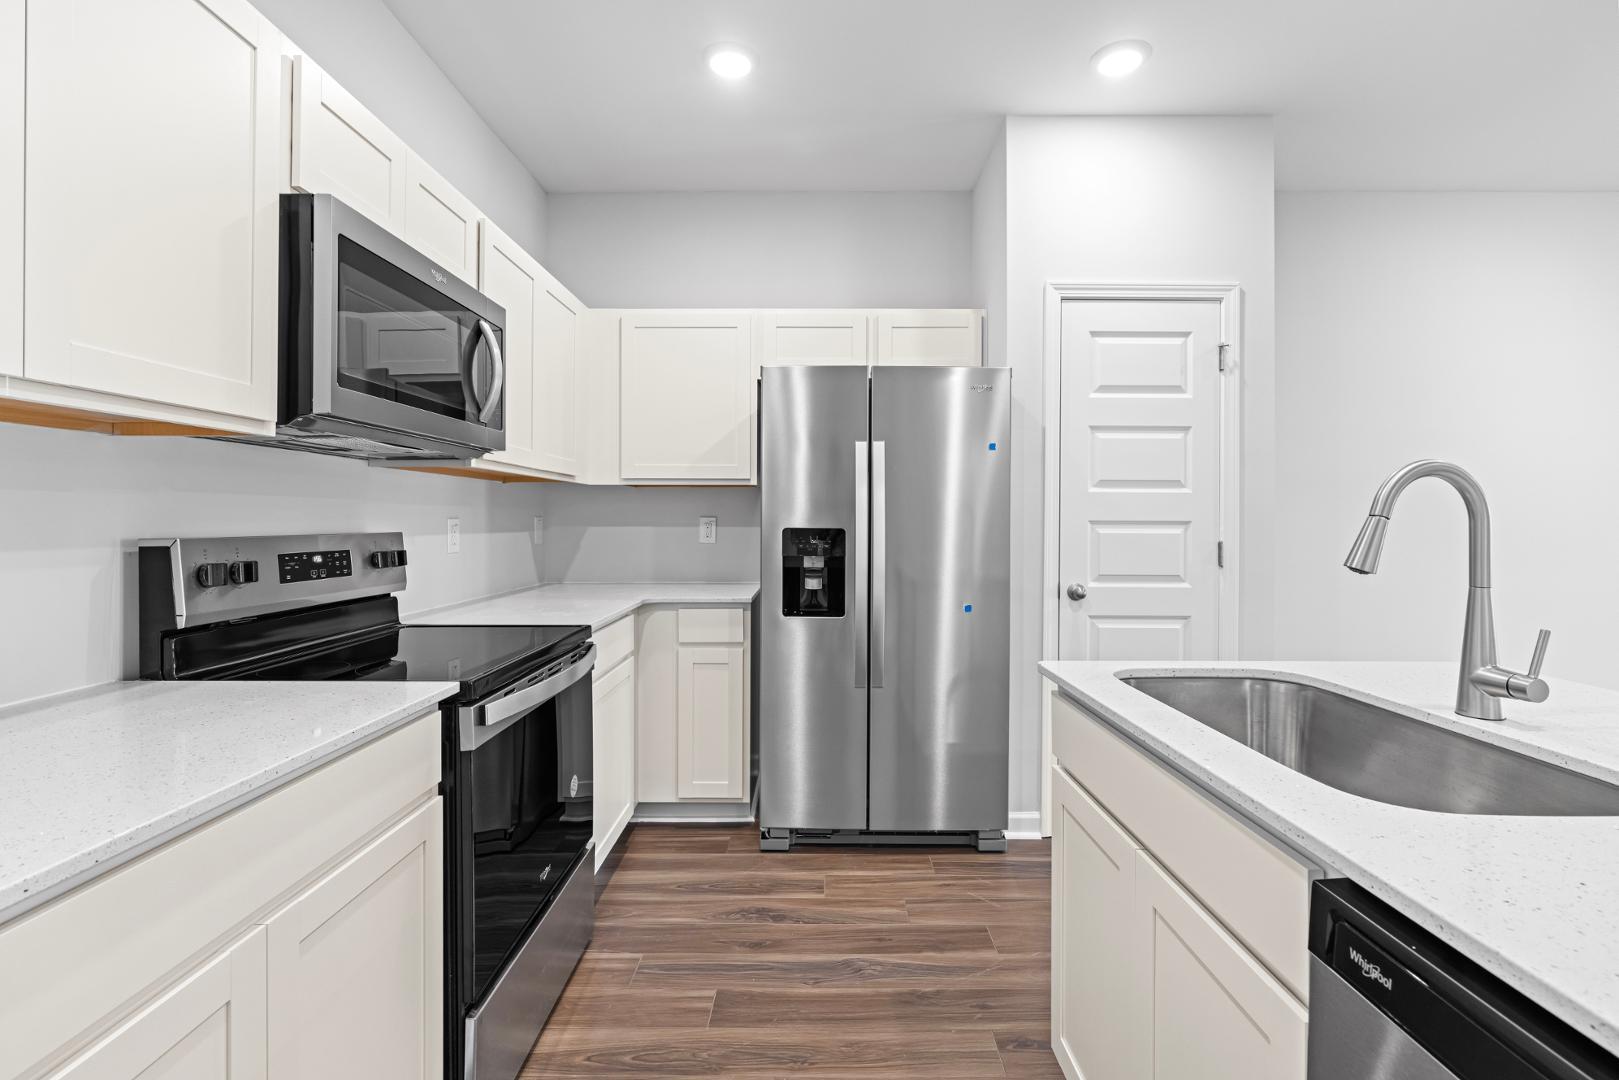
[(812, 573)]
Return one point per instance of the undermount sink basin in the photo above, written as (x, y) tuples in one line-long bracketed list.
[(1375, 753)]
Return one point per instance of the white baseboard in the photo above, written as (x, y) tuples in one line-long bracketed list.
[(1023, 825)]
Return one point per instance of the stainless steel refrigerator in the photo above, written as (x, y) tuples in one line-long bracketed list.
[(883, 636)]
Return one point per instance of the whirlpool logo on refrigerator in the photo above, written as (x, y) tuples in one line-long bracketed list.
[(1372, 971)]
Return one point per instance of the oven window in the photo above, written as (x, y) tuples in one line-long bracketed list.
[(529, 796), (400, 340)]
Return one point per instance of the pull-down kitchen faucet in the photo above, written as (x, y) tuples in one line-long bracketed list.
[(1482, 682)]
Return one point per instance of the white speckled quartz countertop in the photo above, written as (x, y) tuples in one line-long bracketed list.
[(1533, 899), (584, 604), (93, 779)]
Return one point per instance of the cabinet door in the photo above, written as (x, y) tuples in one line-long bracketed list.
[(211, 1026), (12, 87), (930, 336), (510, 277), (686, 396), (1215, 1013), (151, 214), (1097, 965), (340, 148), (356, 963), (613, 746), (556, 377), (813, 337), (711, 723), (440, 222)]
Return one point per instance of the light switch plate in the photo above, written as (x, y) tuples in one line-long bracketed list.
[(708, 530), (453, 536)]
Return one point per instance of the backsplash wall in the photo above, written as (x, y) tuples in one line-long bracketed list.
[(72, 506), (649, 534)]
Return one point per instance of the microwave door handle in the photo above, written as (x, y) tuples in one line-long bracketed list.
[(497, 382)]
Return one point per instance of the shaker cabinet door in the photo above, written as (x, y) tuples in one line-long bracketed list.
[(356, 963), (711, 723), (929, 336), (151, 219), (613, 720), (1215, 1013), (340, 148), (686, 398), (440, 222), (208, 1026)]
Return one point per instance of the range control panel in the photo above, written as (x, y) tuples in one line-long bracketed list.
[(314, 565)]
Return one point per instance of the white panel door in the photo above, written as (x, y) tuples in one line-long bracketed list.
[(711, 723), (813, 337), (1140, 480), (210, 1026), (440, 222), (1216, 1013), (613, 754), (1098, 967), (356, 963), (151, 219), (340, 148), (686, 398), (929, 336)]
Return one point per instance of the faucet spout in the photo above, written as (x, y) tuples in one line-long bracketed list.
[(1482, 682)]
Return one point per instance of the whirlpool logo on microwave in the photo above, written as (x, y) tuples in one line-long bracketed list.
[(437, 276), (1370, 970)]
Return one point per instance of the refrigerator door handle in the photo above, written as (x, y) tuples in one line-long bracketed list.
[(862, 522), (879, 560)]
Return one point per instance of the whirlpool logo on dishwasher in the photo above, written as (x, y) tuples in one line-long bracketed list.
[(1370, 970)]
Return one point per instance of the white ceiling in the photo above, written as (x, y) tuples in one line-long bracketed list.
[(613, 95)]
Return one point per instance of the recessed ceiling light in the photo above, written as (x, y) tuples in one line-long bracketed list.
[(729, 61), (1119, 59)]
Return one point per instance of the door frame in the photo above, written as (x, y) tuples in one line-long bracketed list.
[(1229, 296)]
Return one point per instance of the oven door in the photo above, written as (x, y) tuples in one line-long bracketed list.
[(521, 893), (376, 336)]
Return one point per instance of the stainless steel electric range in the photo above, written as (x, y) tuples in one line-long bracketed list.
[(519, 881)]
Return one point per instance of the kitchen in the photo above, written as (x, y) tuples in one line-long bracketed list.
[(1221, 297)]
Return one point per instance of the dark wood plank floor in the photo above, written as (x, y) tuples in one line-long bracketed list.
[(712, 959)]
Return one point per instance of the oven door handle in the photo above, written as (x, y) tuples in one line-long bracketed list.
[(482, 722)]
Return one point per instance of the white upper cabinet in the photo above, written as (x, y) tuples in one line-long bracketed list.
[(812, 337), (929, 336), (340, 148), (440, 222), (542, 355), (152, 157), (12, 69), (686, 399)]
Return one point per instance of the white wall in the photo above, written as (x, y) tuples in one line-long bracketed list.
[(72, 506), (365, 48), (1132, 199), (1477, 327), (649, 534), (752, 249)]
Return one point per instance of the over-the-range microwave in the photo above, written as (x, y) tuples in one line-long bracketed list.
[(384, 355)]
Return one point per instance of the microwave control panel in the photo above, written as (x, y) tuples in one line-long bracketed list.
[(314, 565)]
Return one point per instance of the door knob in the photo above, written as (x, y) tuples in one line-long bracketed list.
[(1076, 591)]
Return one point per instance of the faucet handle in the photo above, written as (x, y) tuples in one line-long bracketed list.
[(1541, 641)]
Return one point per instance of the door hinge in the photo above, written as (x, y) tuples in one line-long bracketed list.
[(1225, 349), (1219, 553)]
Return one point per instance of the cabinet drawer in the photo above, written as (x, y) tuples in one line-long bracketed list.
[(710, 626), (615, 643), (1257, 890)]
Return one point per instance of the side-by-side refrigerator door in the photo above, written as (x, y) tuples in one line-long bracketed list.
[(941, 509), (814, 507)]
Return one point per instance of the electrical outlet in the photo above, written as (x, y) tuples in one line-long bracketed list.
[(708, 530), (453, 537), (539, 531)]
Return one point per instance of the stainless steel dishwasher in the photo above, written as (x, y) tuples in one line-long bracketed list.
[(1389, 1001)]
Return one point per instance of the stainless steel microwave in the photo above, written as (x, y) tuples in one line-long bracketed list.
[(384, 354)]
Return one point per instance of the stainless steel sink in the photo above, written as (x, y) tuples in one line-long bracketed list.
[(1375, 753)]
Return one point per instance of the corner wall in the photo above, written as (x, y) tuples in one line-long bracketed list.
[(1133, 200)]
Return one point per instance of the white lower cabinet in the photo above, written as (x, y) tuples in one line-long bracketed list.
[(1215, 1013), (613, 753), (209, 1026), (693, 693), (356, 963), (710, 723), (1148, 980)]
